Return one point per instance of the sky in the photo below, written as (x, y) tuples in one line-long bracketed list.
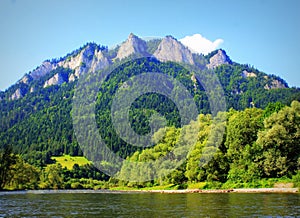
[(262, 33)]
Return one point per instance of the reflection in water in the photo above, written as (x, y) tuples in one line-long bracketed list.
[(148, 205)]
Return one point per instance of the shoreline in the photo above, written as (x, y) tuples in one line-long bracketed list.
[(240, 190), (180, 191)]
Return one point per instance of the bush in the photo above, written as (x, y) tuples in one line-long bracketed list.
[(296, 179), (76, 185), (44, 185)]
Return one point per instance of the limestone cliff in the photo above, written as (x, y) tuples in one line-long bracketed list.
[(218, 59), (133, 45), (172, 50)]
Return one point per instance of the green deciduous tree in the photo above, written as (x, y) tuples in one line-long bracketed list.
[(24, 175), (280, 142), (52, 177), (243, 155)]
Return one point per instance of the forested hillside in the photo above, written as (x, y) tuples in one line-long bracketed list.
[(259, 149), (262, 128)]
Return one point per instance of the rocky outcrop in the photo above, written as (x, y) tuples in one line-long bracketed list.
[(72, 78), (247, 74), (91, 58), (99, 61), (26, 79), (172, 50), (32, 89), (42, 70), (133, 45), (19, 93), (275, 84), (194, 80), (218, 59), (57, 79)]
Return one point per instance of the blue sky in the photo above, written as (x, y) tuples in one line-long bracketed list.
[(263, 33)]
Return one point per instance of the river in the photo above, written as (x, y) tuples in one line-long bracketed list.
[(120, 204)]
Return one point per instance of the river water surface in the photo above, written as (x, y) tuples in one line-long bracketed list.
[(117, 204)]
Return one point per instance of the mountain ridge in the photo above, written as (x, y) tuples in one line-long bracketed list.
[(93, 57)]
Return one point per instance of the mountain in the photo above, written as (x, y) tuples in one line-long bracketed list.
[(93, 57), (218, 59), (171, 50), (133, 45), (35, 114)]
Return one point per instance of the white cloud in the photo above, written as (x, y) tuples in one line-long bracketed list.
[(199, 44)]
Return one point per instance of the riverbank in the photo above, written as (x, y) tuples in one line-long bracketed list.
[(181, 191), (242, 190)]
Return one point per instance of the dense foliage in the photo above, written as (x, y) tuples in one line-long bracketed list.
[(254, 148), (259, 143)]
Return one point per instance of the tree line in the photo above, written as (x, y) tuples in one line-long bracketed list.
[(258, 146)]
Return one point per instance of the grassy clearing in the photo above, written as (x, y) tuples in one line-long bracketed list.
[(198, 185), (69, 161), (161, 187)]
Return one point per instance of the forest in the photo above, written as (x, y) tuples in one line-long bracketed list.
[(259, 147)]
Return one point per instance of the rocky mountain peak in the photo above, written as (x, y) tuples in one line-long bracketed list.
[(133, 45), (91, 58), (218, 59), (131, 36), (170, 49)]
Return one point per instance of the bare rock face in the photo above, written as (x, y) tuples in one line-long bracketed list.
[(99, 61), (72, 78), (57, 79), (133, 45), (42, 70), (194, 80), (172, 50), (91, 58), (32, 89), (275, 84), (247, 74), (218, 59), (26, 79), (19, 93)]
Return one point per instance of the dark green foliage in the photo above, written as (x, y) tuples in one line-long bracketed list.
[(7, 160), (272, 108), (255, 152), (243, 92), (145, 105)]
